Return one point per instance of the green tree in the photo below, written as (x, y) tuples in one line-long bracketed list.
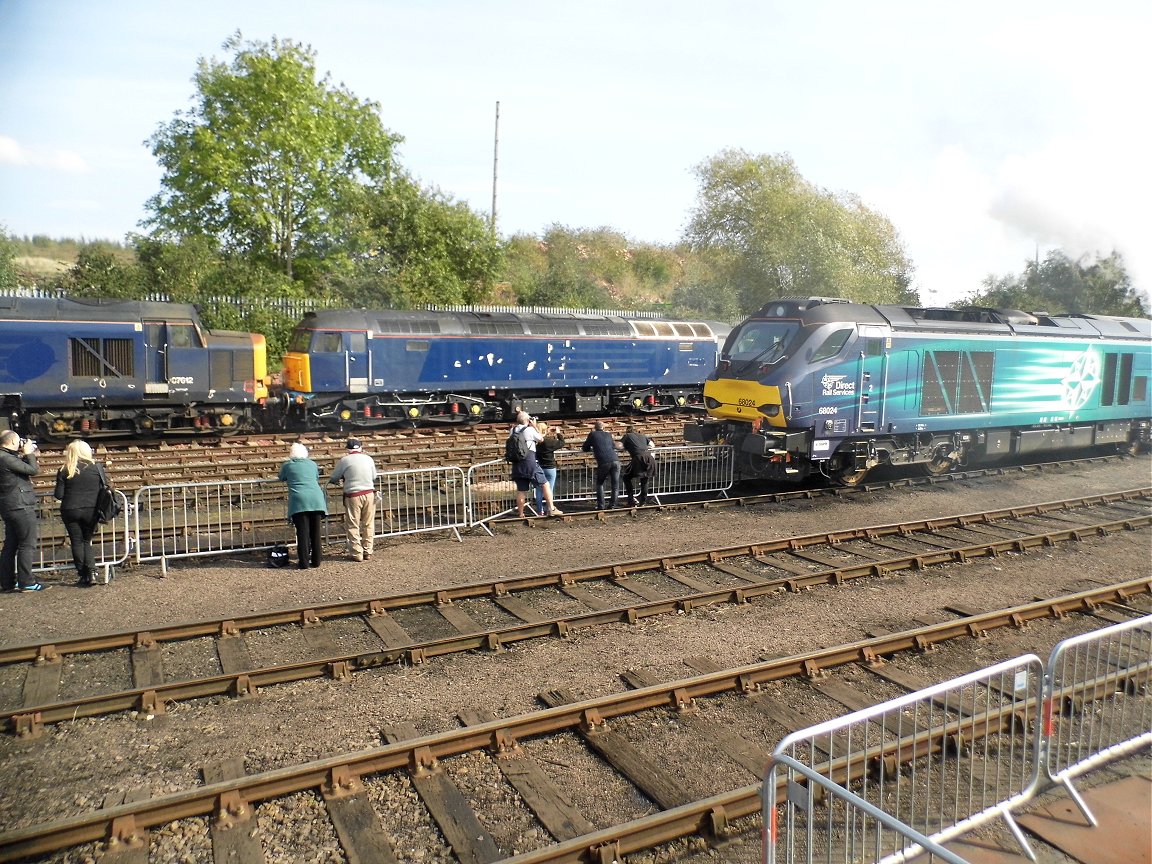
[(102, 270), (1059, 284), (418, 246), (769, 232), (268, 158), (8, 276)]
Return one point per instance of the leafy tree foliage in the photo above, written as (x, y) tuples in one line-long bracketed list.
[(101, 270), (1058, 284), (598, 268), (8, 275), (771, 233), (268, 158), (418, 246)]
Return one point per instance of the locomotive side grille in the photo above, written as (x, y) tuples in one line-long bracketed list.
[(220, 371), (101, 358)]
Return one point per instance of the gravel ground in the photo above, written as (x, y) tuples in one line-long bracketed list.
[(75, 766)]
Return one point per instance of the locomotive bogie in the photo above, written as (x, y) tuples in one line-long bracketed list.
[(836, 388)]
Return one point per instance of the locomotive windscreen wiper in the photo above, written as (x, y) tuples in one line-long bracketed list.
[(765, 357)]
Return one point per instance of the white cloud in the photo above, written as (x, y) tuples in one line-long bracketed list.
[(62, 161)]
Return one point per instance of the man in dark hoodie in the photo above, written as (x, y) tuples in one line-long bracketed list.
[(18, 510)]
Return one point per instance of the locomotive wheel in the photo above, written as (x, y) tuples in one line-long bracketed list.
[(939, 464), (846, 476)]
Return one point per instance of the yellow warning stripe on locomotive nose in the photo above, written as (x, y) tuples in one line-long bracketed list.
[(742, 400)]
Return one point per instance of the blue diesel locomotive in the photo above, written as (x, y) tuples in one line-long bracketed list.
[(364, 369), (829, 387), (100, 368)]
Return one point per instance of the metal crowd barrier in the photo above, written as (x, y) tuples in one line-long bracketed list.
[(188, 520), (936, 763), (111, 542), (844, 791), (1087, 719)]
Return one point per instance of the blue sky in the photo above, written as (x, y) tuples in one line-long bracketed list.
[(986, 132)]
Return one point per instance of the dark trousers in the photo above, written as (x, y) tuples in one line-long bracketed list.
[(81, 525), (642, 482), (19, 548), (308, 537), (610, 474)]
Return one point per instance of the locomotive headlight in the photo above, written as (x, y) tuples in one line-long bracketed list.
[(769, 410), (827, 425), (413, 413), (637, 403), (681, 401), (474, 408), (227, 420), (712, 403), (345, 414)]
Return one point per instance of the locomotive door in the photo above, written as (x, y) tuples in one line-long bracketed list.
[(870, 379), (155, 358), (357, 362)]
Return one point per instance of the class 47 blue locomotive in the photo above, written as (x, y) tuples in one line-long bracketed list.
[(361, 369)]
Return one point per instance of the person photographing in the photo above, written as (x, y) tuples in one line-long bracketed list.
[(18, 464)]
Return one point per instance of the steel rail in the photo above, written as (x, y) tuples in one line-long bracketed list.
[(236, 796), (504, 586), (30, 719)]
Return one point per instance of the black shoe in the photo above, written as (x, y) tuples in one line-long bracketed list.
[(35, 586)]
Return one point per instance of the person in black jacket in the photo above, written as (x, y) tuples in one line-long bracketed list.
[(78, 484), (18, 510), (641, 466), (600, 444)]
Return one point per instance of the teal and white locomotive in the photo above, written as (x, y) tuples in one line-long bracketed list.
[(825, 386)]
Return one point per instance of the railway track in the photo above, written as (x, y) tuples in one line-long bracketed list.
[(156, 668), (137, 464), (430, 789)]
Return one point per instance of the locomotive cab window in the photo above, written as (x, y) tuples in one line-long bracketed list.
[(301, 341), (326, 342), (758, 340), (182, 334), (831, 346)]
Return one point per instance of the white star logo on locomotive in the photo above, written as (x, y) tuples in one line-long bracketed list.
[(1082, 379), (835, 385)]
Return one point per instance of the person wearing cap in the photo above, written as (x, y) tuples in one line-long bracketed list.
[(357, 471), (307, 505)]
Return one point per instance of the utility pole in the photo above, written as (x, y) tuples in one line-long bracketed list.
[(495, 161)]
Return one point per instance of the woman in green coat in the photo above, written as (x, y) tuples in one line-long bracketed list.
[(307, 504)]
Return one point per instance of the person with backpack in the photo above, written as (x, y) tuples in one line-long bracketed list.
[(78, 485), (520, 450)]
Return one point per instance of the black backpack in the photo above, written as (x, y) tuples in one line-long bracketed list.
[(516, 447), (278, 556)]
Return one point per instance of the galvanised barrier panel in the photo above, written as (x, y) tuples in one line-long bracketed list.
[(1098, 705), (692, 468), (424, 499), (196, 519), (212, 518), (491, 494), (935, 763), (111, 542)]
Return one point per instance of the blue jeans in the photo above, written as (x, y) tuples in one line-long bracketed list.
[(550, 473)]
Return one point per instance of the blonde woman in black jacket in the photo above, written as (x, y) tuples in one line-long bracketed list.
[(78, 485)]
